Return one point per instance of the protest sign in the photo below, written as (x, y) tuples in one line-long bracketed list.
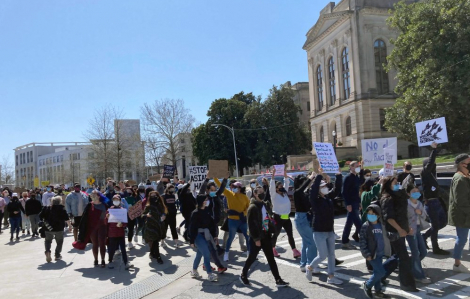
[(169, 171), (430, 131), (326, 156), (279, 169), (197, 175), (117, 215), (135, 210), (218, 168), (388, 162), (373, 150)]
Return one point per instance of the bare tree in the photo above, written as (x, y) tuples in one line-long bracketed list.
[(7, 171), (154, 152), (164, 121)]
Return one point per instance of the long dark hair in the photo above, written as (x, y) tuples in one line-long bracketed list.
[(299, 180), (387, 185), (366, 187), (147, 191), (153, 194)]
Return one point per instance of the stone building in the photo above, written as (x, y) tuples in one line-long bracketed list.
[(302, 99), (348, 84)]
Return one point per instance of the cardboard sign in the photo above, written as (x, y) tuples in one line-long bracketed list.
[(218, 168), (117, 215), (156, 177), (135, 210), (197, 175), (279, 169), (388, 164), (373, 150), (326, 156), (430, 131), (169, 171)]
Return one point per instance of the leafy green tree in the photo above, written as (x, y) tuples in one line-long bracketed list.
[(432, 57)]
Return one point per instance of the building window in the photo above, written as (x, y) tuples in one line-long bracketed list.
[(61, 158), (308, 106), (381, 76), (27, 157), (78, 155), (331, 79), (322, 135), (382, 119), (31, 156), (16, 160), (346, 76), (320, 87), (54, 159), (348, 126)]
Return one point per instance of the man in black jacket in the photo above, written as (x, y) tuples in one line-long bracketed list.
[(351, 185), (32, 209), (54, 218), (432, 203)]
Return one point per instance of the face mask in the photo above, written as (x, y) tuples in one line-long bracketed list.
[(48, 189), (396, 187), (116, 203), (77, 190), (408, 167), (207, 203), (261, 196), (212, 194), (416, 195), (367, 176), (235, 190), (324, 190), (171, 191), (253, 185), (283, 190), (372, 218), (357, 169)]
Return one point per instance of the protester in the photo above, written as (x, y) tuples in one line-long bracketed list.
[(32, 209), (132, 199), (14, 210), (224, 221), (116, 236), (25, 223), (282, 208), (459, 208), (323, 229), (47, 196), (303, 219), (6, 214), (367, 173), (170, 219), (416, 219), (155, 213), (2, 211), (54, 217), (407, 166), (434, 205), (75, 204), (394, 203), (202, 230), (188, 205), (253, 185), (261, 227), (351, 185), (110, 191), (369, 192)]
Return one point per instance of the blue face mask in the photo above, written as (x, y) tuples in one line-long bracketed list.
[(416, 195), (212, 193), (396, 187), (372, 218), (235, 190)]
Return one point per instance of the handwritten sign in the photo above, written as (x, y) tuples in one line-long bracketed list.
[(430, 131), (218, 168), (135, 211), (117, 215), (169, 171), (373, 150), (326, 156), (279, 169), (388, 162), (197, 175)]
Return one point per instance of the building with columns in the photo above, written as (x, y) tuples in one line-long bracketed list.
[(348, 84)]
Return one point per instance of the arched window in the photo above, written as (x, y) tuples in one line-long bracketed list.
[(320, 87), (345, 71), (322, 135), (331, 80), (381, 76), (348, 126)]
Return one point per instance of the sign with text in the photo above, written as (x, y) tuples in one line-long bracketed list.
[(326, 156), (117, 215), (279, 169), (429, 131), (218, 168), (169, 171), (388, 162), (373, 150), (135, 210), (197, 175)]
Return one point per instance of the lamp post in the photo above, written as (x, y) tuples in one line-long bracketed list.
[(334, 140), (234, 147)]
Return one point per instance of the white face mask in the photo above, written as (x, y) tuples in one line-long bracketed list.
[(357, 169), (324, 190), (253, 185), (116, 203)]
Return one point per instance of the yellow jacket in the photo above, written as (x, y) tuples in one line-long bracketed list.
[(236, 201)]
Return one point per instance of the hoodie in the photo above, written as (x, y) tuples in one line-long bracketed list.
[(428, 177), (367, 240)]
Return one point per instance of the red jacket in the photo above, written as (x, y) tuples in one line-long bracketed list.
[(113, 230)]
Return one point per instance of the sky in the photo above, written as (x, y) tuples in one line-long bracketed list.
[(61, 59)]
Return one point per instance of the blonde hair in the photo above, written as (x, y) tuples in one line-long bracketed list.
[(56, 200)]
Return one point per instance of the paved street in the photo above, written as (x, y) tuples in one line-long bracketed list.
[(27, 275)]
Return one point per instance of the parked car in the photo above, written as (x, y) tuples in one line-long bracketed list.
[(444, 187)]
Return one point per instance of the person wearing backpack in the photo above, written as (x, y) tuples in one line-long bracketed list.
[(54, 217)]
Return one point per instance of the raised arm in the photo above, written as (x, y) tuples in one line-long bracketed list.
[(432, 158), (315, 189)]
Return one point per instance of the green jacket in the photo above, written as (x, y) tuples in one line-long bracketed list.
[(367, 197), (459, 201)]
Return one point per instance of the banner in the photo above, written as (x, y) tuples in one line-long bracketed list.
[(326, 156), (169, 171), (373, 150), (135, 210), (218, 168), (430, 131), (388, 163), (117, 215), (279, 170), (197, 175)]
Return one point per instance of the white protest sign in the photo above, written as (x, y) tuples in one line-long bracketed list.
[(117, 215), (430, 131), (373, 150), (388, 162), (197, 175), (326, 156), (279, 169)]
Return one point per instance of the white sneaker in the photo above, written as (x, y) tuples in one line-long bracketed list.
[(226, 257), (303, 269), (130, 245), (135, 239), (118, 252), (308, 273), (334, 280), (316, 270), (337, 237), (129, 265), (212, 277), (177, 243), (461, 268), (195, 274)]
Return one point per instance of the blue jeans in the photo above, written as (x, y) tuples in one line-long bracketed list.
[(377, 275), (202, 251), (438, 218), (309, 249), (233, 226), (460, 241), (15, 223), (325, 242), (352, 218), (418, 253)]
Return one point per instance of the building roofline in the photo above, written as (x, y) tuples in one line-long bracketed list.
[(71, 143)]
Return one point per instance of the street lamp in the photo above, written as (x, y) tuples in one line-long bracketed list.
[(334, 140), (234, 147)]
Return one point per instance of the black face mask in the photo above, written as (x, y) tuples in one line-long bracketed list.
[(261, 196), (283, 190), (408, 167)]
